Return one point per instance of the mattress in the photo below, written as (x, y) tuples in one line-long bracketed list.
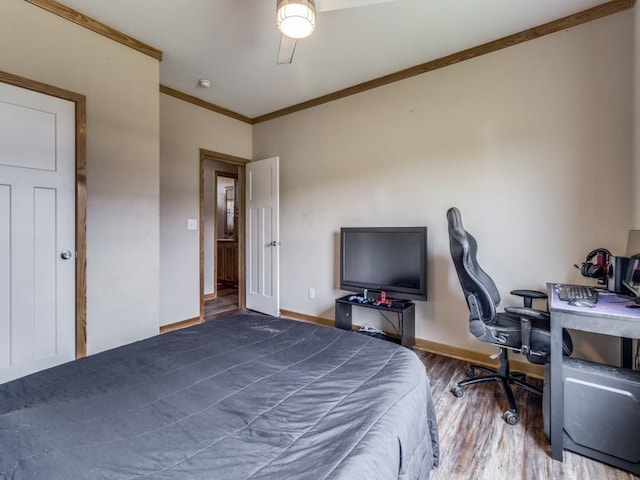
[(244, 397)]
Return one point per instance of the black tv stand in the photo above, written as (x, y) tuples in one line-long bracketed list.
[(406, 309)]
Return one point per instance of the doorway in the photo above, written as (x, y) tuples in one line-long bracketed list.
[(43, 209), (222, 290)]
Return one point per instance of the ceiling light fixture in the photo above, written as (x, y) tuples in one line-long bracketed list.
[(296, 18)]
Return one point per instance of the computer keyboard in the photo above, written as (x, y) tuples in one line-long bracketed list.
[(570, 292)]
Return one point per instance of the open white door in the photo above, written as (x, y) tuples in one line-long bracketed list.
[(263, 232), (37, 231)]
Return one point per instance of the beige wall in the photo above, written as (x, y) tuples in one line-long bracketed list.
[(121, 87), (514, 139), (184, 129), (533, 143)]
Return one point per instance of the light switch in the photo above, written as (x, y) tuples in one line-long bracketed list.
[(192, 224)]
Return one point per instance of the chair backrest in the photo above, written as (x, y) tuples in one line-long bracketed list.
[(479, 290)]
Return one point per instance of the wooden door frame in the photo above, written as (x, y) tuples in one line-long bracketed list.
[(81, 194), (240, 164)]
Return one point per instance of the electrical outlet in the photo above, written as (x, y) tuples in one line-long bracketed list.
[(192, 224), (312, 293)]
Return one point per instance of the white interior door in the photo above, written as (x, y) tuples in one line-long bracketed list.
[(263, 236), (37, 231)]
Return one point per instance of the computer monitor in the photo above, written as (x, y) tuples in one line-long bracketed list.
[(633, 243), (632, 278)]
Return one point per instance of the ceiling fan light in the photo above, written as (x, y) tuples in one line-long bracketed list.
[(296, 18)]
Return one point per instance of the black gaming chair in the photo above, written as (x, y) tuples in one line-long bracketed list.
[(521, 329)]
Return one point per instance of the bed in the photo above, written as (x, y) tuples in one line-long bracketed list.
[(244, 397)]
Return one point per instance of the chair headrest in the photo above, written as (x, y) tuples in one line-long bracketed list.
[(454, 219)]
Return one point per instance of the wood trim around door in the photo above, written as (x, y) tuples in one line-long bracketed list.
[(240, 163), (81, 195)]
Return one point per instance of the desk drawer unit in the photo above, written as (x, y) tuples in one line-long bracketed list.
[(601, 412)]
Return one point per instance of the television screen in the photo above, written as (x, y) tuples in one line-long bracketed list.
[(632, 277), (390, 259)]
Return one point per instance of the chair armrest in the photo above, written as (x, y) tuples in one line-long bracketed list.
[(526, 315), (528, 296), (525, 335), (530, 313)]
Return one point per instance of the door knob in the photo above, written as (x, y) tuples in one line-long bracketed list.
[(66, 255), (274, 243)]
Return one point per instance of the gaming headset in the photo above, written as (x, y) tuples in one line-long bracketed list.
[(598, 269)]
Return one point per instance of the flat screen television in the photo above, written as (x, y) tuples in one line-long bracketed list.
[(389, 259)]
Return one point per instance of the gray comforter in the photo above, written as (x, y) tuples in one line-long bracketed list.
[(245, 397)]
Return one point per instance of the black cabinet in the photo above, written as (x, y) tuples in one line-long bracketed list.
[(405, 310)]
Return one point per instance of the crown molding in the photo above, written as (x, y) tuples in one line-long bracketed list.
[(97, 27), (185, 97), (554, 26), (585, 16)]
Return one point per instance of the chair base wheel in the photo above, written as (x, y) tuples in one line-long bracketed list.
[(510, 417), (457, 392), (471, 373)]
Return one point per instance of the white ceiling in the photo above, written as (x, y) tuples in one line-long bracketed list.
[(234, 43)]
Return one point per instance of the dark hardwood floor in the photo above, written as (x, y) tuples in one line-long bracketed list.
[(476, 443), (226, 303)]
